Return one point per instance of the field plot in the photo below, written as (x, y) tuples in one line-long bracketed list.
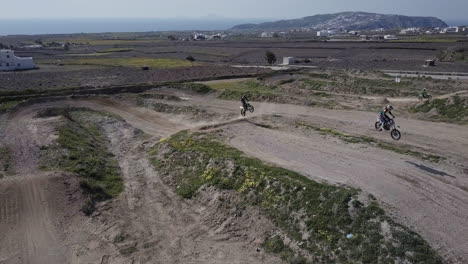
[(129, 62)]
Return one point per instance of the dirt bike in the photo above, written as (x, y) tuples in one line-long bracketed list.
[(388, 126), (249, 107), (422, 96)]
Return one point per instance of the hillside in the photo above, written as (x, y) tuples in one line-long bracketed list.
[(346, 20)]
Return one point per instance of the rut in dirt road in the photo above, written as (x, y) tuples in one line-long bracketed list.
[(33, 203), (149, 213)]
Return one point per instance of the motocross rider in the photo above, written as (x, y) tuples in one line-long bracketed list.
[(244, 101), (424, 93), (384, 117)]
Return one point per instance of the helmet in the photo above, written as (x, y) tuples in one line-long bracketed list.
[(389, 107)]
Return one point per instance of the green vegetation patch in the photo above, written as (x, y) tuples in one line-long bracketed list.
[(8, 106), (255, 90), (87, 155), (129, 62), (376, 86), (313, 84), (356, 85), (404, 150), (92, 41), (426, 39), (195, 87), (325, 221), (6, 162), (115, 50), (454, 109)]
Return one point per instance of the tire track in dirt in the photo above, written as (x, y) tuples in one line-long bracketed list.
[(33, 203), (29, 219), (152, 213)]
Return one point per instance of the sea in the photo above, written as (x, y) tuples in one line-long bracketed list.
[(101, 25), (96, 25)]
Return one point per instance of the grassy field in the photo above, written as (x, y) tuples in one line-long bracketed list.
[(126, 62), (115, 50), (315, 216)]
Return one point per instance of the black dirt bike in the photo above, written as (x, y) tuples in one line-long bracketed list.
[(389, 126), (248, 107), (422, 96)]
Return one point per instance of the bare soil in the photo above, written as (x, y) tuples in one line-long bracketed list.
[(148, 223)]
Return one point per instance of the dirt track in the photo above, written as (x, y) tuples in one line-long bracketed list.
[(40, 216), (432, 198)]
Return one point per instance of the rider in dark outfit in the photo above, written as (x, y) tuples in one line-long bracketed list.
[(384, 117), (244, 101)]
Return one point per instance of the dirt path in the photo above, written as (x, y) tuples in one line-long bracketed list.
[(33, 204), (31, 210), (432, 198), (423, 195), (440, 138), (40, 221)]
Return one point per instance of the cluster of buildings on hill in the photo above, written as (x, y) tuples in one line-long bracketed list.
[(9, 62), (376, 34), (447, 30)]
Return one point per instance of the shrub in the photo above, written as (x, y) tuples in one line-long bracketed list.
[(270, 57)]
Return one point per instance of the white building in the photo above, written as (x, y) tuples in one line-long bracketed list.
[(390, 37), (450, 30), (410, 31), (287, 60), (9, 62), (198, 36), (267, 35), (325, 33)]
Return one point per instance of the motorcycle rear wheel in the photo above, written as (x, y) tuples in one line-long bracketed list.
[(396, 135), (243, 112)]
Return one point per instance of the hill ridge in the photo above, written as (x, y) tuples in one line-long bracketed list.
[(349, 20)]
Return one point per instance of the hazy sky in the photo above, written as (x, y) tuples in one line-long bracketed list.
[(24, 9)]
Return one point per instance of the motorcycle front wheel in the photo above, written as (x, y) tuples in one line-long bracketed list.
[(251, 108), (377, 125), (396, 135)]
